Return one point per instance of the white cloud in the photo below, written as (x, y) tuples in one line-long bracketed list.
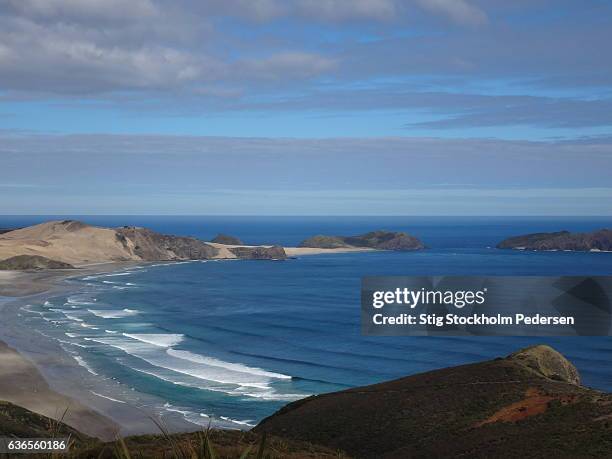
[(73, 58), (63, 60), (95, 47), (241, 55), (92, 9)]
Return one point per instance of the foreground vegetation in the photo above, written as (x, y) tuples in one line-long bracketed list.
[(17, 422)]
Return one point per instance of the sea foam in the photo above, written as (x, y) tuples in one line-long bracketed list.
[(213, 374), (83, 363), (186, 355), (114, 313), (157, 339), (107, 397)]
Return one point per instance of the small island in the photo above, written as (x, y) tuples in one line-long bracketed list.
[(596, 241), (226, 239), (379, 240)]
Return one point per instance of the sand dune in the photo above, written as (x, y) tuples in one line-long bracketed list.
[(81, 245), (22, 384), (68, 241)]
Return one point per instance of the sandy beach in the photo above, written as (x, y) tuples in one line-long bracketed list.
[(36, 373), (20, 284), (224, 252), (22, 384)]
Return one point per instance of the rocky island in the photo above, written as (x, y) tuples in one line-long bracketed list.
[(226, 240), (596, 241), (528, 404), (274, 252), (380, 240)]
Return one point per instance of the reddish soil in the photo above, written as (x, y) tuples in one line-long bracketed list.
[(533, 404)]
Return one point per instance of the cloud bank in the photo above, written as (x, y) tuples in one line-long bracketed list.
[(337, 176), (451, 63)]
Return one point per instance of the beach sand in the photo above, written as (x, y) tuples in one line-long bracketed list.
[(18, 284), (22, 384), (37, 374)]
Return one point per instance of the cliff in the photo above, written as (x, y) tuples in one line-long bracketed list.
[(151, 246), (381, 240), (528, 404), (563, 240)]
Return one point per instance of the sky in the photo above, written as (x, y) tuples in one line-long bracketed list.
[(306, 107)]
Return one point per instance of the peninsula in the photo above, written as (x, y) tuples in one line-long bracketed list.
[(71, 244), (78, 244)]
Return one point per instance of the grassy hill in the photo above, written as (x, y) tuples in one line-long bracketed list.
[(526, 405)]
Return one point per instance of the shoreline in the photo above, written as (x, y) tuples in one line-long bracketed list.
[(225, 254), (54, 379), (58, 379), (64, 377)]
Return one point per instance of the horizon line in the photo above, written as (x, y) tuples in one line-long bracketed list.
[(308, 215)]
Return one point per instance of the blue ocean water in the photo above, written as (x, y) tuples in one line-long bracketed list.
[(236, 340)]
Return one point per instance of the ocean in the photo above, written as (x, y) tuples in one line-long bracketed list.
[(233, 341)]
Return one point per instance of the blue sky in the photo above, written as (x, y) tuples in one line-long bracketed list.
[(336, 107)]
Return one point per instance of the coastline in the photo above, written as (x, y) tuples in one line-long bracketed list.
[(55, 382), (50, 366), (58, 380)]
